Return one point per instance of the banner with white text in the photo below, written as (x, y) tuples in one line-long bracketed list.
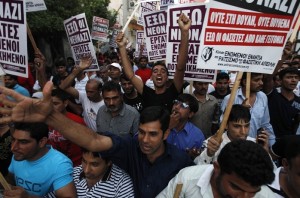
[(196, 13), (13, 43), (241, 35), (80, 40)]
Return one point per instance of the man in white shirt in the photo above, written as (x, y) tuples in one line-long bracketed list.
[(242, 170)]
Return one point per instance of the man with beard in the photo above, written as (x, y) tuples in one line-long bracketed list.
[(91, 99), (258, 105), (131, 96), (242, 170), (116, 116), (162, 95), (284, 105), (36, 168), (148, 159), (144, 72), (208, 106)]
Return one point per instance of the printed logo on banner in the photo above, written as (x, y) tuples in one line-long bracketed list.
[(207, 53)]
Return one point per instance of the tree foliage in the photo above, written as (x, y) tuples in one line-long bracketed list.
[(48, 24)]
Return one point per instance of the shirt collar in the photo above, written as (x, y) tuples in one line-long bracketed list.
[(204, 180)]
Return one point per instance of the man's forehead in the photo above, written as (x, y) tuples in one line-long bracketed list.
[(240, 122)]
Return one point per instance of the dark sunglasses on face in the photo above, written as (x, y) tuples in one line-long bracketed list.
[(182, 104)]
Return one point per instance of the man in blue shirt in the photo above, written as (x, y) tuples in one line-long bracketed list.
[(11, 82), (185, 135), (258, 105), (150, 161)]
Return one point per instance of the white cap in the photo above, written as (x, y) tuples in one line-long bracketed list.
[(117, 65)]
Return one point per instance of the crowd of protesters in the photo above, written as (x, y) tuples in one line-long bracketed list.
[(127, 130)]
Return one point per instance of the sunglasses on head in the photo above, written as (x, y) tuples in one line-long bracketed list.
[(182, 104)]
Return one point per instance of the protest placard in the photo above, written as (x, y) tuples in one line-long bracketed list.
[(112, 41), (35, 5), (80, 40), (140, 48), (144, 8), (13, 46), (245, 35), (196, 13), (100, 29), (155, 25)]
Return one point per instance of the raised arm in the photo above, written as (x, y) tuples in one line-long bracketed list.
[(127, 67), (33, 110), (85, 62), (40, 66), (184, 24)]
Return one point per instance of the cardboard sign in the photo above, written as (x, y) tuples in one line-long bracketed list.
[(35, 5), (13, 46), (196, 13), (244, 36), (100, 29), (155, 25), (80, 40)]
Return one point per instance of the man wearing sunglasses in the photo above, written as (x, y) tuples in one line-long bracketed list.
[(183, 134)]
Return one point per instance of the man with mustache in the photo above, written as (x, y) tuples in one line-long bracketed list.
[(258, 105), (116, 116), (208, 109), (36, 168)]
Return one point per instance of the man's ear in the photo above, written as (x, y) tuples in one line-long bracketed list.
[(43, 142), (166, 134), (217, 168), (191, 114), (66, 102), (285, 164)]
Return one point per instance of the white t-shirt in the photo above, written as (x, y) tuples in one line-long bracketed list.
[(90, 110)]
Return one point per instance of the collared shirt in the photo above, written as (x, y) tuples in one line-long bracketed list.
[(148, 178), (196, 184), (126, 122), (206, 114), (260, 116), (203, 158), (188, 138), (115, 183), (21, 90)]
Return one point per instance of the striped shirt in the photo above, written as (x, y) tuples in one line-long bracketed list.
[(116, 184)]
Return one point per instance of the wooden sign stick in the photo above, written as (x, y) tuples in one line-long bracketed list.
[(177, 190), (221, 130), (4, 183), (248, 80), (32, 39)]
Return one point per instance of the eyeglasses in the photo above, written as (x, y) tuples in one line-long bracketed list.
[(182, 104)]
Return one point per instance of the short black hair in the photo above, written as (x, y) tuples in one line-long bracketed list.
[(37, 130), (191, 100), (156, 113), (288, 70), (12, 76), (60, 62), (222, 75), (248, 160), (244, 77), (111, 86), (61, 94), (162, 63), (239, 112), (124, 77), (143, 57), (95, 154)]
